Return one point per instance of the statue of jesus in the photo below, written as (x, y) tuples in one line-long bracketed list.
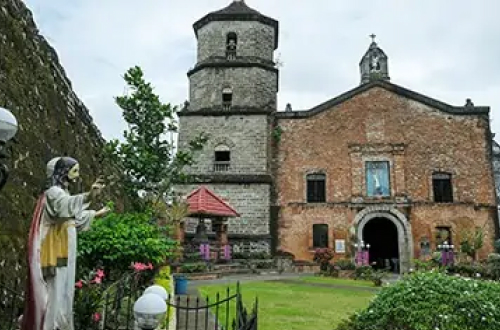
[(52, 247)]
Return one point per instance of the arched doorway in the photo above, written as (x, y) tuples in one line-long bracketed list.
[(382, 235)]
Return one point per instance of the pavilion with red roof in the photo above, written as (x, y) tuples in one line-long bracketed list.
[(204, 203)]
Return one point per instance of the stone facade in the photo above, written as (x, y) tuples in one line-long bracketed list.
[(254, 40), (232, 98), (246, 136), (252, 87)]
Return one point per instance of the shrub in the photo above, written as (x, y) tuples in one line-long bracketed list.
[(425, 265), (363, 273), (323, 257), (194, 267), (431, 301), (118, 240), (344, 264), (493, 265), (469, 269), (497, 246)]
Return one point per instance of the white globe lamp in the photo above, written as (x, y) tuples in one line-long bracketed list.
[(149, 311)]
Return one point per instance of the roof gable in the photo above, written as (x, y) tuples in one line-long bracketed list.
[(468, 109), (202, 201)]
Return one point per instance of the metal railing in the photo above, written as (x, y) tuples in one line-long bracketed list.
[(222, 166)]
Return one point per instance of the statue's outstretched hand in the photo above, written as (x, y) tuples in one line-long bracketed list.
[(102, 212), (97, 188)]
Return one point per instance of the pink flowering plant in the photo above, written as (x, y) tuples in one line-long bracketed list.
[(323, 256), (87, 302), (119, 240)]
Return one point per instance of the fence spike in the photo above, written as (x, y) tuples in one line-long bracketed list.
[(207, 311), (217, 297), (197, 311)]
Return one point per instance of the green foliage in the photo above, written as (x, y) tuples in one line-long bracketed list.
[(431, 301), (277, 131), (497, 246), (118, 240), (165, 280), (195, 267), (87, 301), (472, 241), (426, 265), (149, 160), (363, 272), (344, 264), (494, 266)]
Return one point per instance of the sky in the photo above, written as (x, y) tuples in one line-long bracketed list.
[(447, 49)]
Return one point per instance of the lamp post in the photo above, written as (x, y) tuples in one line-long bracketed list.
[(362, 254), (8, 128), (447, 254), (149, 310)]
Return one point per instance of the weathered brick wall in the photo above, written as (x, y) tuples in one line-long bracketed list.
[(246, 136), (416, 139), (254, 39), (296, 223)]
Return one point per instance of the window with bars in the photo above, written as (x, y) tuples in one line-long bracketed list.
[(231, 44), (316, 188), (222, 158), (442, 188), (227, 98), (320, 236)]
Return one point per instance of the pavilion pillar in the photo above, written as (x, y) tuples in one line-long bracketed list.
[(220, 227)]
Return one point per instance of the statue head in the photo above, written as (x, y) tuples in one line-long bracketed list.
[(62, 170)]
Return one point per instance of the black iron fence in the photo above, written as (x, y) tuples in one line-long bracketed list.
[(222, 312), (113, 309)]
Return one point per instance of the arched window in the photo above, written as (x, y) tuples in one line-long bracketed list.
[(227, 98), (231, 44), (316, 188), (442, 187), (222, 158)]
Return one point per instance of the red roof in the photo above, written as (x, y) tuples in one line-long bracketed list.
[(202, 201)]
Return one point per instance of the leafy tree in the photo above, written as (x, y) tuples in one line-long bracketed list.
[(472, 241), (148, 159)]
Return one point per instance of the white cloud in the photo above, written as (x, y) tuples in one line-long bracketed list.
[(445, 49)]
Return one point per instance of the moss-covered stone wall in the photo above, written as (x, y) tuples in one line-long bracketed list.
[(52, 120)]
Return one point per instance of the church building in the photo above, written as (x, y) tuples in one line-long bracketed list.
[(380, 166)]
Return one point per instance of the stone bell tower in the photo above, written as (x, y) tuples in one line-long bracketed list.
[(374, 64), (232, 97)]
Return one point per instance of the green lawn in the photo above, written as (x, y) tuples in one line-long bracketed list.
[(284, 306), (336, 281)]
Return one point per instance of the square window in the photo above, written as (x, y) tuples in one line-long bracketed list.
[(320, 236)]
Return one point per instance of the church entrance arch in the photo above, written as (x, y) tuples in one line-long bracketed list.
[(382, 236), (388, 232)]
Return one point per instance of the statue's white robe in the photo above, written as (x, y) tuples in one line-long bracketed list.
[(50, 301)]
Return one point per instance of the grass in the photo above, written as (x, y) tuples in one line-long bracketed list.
[(284, 306), (337, 281)]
